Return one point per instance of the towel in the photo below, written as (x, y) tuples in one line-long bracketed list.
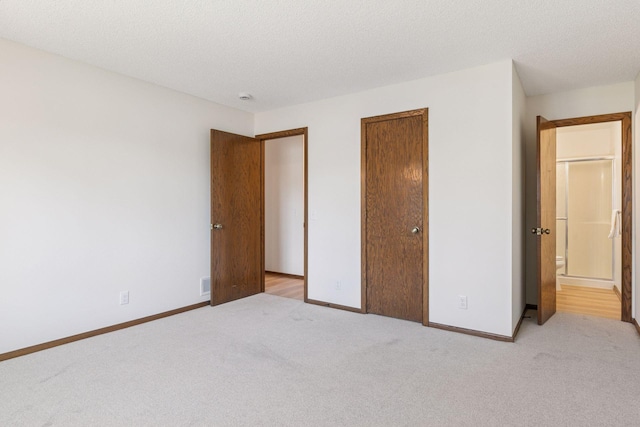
[(616, 224)]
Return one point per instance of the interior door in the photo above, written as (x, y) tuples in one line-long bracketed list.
[(236, 217), (395, 235), (546, 219)]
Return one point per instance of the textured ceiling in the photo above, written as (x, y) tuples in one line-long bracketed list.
[(286, 52)]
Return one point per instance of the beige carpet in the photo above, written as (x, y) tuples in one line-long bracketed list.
[(271, 361)]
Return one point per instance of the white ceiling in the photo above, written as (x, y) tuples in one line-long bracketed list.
[(286, 52)]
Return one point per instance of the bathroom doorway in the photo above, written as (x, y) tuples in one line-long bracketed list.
[(592, 201), (588, 219)]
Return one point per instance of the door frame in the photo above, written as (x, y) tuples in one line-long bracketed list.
[(627, 198), (277, 135), (424, 113)]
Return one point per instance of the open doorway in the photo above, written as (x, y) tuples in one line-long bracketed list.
[(553, 232), (589, 219), (285, 213)]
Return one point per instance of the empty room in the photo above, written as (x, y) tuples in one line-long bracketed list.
[(296, 213)]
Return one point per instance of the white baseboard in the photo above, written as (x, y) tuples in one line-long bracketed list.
[(587, 283)]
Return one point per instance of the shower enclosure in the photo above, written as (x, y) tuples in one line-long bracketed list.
[(584, 202)]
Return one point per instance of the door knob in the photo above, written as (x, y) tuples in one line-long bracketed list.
[(415, 230), (217, 226)]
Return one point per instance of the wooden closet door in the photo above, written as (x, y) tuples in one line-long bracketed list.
[(395, 231)]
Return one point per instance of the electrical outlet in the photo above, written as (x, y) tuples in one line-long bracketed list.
[(124, 297), (338, 285), (462, 302)]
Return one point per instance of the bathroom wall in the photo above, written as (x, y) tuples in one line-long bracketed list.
[(593, 140), (284, 205)]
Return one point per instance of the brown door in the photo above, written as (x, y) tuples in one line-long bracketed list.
[(394, 215), (236, 217), (546, 220)]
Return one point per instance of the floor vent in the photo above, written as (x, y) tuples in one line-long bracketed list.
[(205, 286)]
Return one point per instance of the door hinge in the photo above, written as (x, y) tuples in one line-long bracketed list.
[(540, 231)]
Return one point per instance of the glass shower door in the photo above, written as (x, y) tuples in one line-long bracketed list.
[(589, 205)]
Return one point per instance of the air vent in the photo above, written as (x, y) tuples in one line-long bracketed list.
[(205, 286)]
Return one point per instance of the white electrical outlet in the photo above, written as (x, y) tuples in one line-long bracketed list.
[(124, 297), (338, 285), (462, 302)]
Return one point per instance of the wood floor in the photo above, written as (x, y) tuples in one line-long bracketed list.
[(571, 299), (592, 301), (284, 285)]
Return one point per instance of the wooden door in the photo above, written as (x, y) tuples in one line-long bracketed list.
[(394, 215), (236, 217), (546, 219)]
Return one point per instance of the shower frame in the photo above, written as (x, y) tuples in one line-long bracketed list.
[(566, 210)]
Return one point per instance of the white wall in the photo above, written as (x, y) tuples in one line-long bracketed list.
[(592, 140), (284, 205), (614, 98), (518, 207), (104, 187), (470, 190), (636, 186)]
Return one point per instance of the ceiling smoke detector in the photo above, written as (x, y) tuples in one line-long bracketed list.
[(244, 96)]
